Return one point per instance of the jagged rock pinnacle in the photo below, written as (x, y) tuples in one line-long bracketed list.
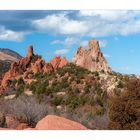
[(30, 52), (91, 58)]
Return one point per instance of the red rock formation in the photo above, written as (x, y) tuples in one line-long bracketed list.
[(52, 122), (63, 62), (17, 68), (58, 62), (30, 52), (91, 58), (31, 63), (22, 126), (37, 66), (48, 68), (55, 62)]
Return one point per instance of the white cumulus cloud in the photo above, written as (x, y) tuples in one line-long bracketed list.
[(90, 23), (111, 15), (103, 43), (107, 55), (61, 24), (9, 35), (61, 51), (67, 42)]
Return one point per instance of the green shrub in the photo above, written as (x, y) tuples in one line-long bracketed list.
[(90, 115), (99, 111), (57, 100), (20, 81), (96, 74), (99, 101), (87, 89), (99, 90), (14, 82), (120, 84), (32, 87), (72, 101), (20, 90), (76, 90), (84, 99), (78, 81)]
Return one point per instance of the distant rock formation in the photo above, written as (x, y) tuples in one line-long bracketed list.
[(6, 58), (31, 63), (91, 58), (9, 55)]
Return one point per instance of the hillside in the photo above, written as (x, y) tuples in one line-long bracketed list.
[(32, 89), (6, 58), (7, 54)]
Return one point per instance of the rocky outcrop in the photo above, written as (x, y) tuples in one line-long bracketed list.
[(38, 65), (58, 62), (31, 63), (30, 52), (17, 68), (48, 68), (52, 122), (91, 58)]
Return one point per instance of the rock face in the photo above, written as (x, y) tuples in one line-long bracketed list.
[(58, 62), (31, 63), (91, 58), (38, 65), (52, 122)]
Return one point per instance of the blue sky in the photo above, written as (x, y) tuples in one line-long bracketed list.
[(62, 32)]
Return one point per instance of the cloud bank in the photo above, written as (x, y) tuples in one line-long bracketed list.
[(70, 24)]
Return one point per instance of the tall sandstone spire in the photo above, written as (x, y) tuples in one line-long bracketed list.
[(30, 52), (91, 58)]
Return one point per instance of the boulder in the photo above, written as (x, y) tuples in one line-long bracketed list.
[(22, 126), (52, 122)]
